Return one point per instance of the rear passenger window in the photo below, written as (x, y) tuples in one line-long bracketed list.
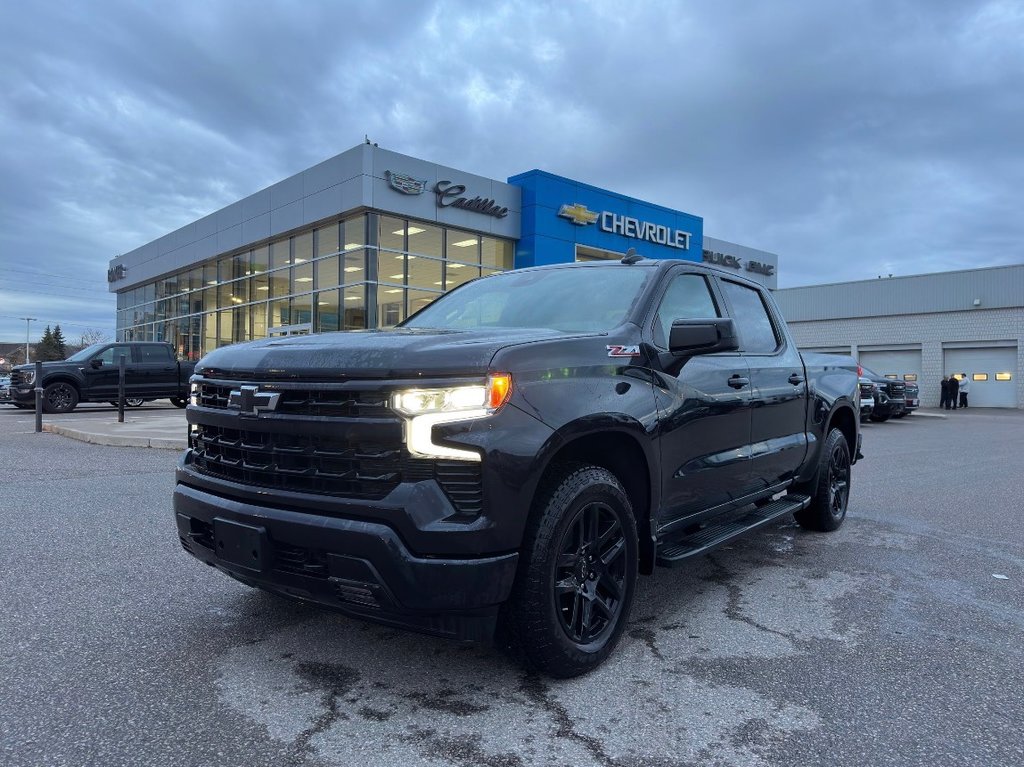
[(755, 328), (154, 354), (688, 298)]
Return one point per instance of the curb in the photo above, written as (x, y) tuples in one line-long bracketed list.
[(115, 440)]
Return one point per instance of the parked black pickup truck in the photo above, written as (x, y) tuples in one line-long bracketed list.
[(890, 396), (514, 454), (91, 375)]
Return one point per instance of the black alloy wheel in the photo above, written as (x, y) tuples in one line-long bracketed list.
[(590, 574), (830, 488), (577, 573), (134, 401), (839, 480), (60, 397)]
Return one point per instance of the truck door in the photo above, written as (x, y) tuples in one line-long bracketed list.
[(778, 391), (157, 371), (703, 407), (101, 372)]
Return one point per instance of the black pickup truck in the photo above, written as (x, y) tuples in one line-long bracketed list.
[(91, 375), (516, 453)]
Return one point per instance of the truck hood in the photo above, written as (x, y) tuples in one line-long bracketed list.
[(401, 353)]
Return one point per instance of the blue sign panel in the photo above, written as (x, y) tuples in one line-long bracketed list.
[(558, 214)]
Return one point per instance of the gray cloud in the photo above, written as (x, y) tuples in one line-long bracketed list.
[(853, 139)]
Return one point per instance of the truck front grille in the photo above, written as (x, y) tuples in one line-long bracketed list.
[(306, 463), (17, 377), (324, 402)]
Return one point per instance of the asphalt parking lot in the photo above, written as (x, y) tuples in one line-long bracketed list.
[(887, 643)]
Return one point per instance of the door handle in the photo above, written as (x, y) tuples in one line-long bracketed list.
[(796, 378), (738, 381)]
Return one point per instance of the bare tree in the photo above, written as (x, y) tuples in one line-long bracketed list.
[(92, 336)]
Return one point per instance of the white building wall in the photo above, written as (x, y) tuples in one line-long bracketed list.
[(930, 330)]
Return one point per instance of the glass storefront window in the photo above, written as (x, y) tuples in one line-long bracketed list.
[(354, 312), (390, 267), (209, 331), (420, 298), (392, 233), (354, 267), (426, 240), (463, 246), (425, 273), (456, 274), (209, 274), (279, 286), (302, 248), (302, 276), (302, 310), (209, 299), (496, 253), (279, 313), (259, 287), (353, 233), (328, 272), (259, 320), (390, 306), (260, 259), (327, 240), (328, 312), (280, 254)]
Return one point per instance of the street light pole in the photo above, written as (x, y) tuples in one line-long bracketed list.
[(28, 324)]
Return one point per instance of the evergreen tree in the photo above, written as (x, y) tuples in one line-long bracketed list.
[(46, 349), (59, 343)]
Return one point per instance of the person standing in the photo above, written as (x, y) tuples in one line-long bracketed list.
[(954, 393), (944, 398), (964, 389)]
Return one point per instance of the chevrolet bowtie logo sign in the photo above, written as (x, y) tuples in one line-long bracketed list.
[(578, 214), (250, 400)]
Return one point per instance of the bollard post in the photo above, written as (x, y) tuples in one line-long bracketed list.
[(120, 388), (39, 396)]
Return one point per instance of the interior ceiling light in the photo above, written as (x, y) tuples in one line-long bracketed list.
[(300, 260), (353, 268), (303, 279), (394, 290), (412, 230), (396, 277), (353, 245), (263, 287), (464, 243), (455, 266)]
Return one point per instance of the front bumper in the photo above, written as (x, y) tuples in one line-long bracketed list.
[(22, 396), (359, 567)]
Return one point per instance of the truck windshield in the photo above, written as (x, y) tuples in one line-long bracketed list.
[(571, 299), (86, 353)]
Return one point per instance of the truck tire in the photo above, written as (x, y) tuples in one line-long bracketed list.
[(577, 573), (879, 418), (899, 415), (60, 397), (179, 401), (830, 488)]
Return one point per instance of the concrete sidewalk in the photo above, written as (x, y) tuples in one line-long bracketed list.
[(159, 430)]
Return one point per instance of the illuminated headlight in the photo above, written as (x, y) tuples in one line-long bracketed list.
[(426, 408), (193, 394)]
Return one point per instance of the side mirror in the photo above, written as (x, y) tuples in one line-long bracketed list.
[(703, 336), (95, 363)]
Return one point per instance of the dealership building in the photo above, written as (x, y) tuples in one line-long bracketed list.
[(366, 238)]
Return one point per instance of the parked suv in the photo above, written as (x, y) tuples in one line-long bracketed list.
[(868, 393)]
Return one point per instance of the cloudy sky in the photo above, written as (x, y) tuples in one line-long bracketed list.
[(852, 138)]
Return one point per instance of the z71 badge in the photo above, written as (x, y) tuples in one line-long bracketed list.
[(623, 351)]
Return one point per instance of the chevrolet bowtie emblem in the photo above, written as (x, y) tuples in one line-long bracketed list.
[(578, 214), (250, 400)]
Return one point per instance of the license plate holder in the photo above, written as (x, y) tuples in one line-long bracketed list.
[(240, 545)]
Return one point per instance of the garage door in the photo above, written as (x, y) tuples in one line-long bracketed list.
[(902, 364), (992, 374)]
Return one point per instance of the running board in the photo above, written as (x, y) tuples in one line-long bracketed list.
[(672, 554)]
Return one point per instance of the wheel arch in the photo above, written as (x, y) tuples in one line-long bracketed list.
[(620, 450)]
